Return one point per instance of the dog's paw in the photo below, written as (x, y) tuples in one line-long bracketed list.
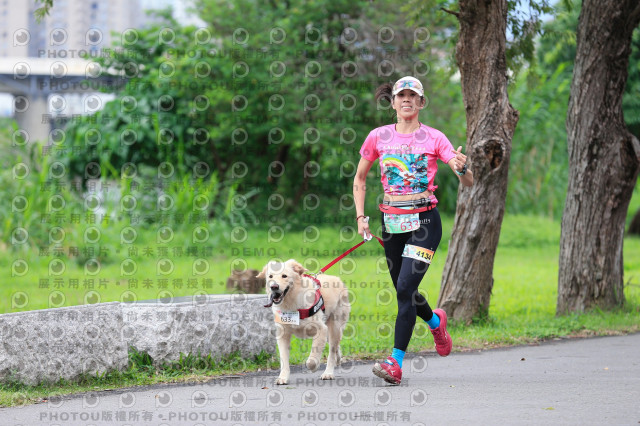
[(311, 364), (327, 376), (281, 381)]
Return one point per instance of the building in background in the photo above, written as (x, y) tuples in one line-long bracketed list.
[(33, 55), (72, 26)]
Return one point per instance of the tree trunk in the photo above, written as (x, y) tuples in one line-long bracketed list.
[(491, 120), (604, 159)]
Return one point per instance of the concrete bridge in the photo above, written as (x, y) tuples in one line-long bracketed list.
[(38, 86)]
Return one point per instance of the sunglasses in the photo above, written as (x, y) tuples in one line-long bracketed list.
[(409, 84)]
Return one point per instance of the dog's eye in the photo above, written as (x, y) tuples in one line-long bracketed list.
[(284, 276), (271, 276)]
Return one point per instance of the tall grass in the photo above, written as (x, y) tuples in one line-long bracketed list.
[(33, 191), (44, 212)]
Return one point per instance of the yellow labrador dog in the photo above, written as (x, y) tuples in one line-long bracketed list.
[(302, 311)]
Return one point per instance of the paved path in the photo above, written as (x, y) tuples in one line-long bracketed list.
[(578, 382)]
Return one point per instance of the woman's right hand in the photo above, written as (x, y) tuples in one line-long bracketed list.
[(363, 227)]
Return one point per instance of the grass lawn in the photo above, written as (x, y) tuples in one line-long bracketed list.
[(522, 305)]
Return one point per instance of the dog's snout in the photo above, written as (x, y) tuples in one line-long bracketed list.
[(274, 286)]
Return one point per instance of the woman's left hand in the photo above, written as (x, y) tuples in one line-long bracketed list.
[(458, 164), (460, 160)]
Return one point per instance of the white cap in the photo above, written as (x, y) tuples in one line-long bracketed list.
[(410, 83)]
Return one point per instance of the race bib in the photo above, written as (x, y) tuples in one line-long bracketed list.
[(399, 223), (287, 317), (417, 253)]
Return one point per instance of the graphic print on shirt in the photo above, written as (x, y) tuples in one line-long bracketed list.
[(406, 173)]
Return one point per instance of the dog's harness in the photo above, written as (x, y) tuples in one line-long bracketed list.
[(318, 303)]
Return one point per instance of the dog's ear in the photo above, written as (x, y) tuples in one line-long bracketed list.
[(263, 273), (297, 268)]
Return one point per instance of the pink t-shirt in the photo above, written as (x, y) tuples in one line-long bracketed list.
[(408, 162)]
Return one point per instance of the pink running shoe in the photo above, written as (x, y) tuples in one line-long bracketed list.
[(440, 334), (391, 373)]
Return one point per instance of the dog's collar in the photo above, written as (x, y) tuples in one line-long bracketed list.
[(318, 303)]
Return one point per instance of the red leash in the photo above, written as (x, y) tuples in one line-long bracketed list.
[(337, 259), (318, 304)]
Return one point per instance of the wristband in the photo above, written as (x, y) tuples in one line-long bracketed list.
[(464, 170), (366, 218)]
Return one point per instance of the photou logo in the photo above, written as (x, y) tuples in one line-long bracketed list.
[(56, 299), (346, 398), (127, 400), (21, 70), (128, 235), (199, 399), (90, 401), (237, 399), (93, 37), (19, 300), (21, 37), (418, 397), (58, 37), (58, 70), (164, 399), (274, 398), (382, 397), (310, 398), (164, 266), (19, 268)]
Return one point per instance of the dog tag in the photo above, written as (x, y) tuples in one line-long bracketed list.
[(400, 223), (287, 317)]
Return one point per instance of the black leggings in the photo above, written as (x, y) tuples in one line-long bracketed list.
[(406, 273)]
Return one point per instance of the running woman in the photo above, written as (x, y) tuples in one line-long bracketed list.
[(411, 229)]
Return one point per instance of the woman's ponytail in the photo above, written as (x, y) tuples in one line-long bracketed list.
[(384, 91)]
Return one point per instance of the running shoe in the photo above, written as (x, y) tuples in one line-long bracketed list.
[(440, 334), (391, 373)]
